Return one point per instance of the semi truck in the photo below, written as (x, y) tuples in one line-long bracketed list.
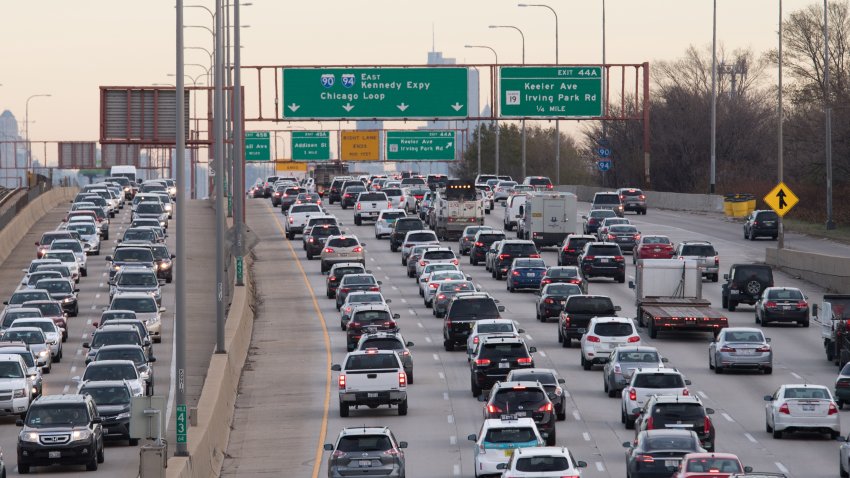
[(456, 207), (547, 218), (668, 296), (834, 318), (324, 173)]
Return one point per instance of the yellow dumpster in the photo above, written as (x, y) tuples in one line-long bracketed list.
[(739, 208)]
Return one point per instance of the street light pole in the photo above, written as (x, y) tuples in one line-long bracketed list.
[(781, 239), (523, 62), (180, 265), (712, 179), (27, 129), (496, 55), (557, 122), (218, 126), (827, 98), (238, 148)]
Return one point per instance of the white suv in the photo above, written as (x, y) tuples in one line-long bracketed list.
[(385, 221), (441, 255), (647, 382), (552, 461), (603, 335), (298, 216), (13, 377)]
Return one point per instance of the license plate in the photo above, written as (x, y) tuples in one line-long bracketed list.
[(786, 307), (746, 352), (365, 463), (504, 365), (581, 331), (372, 395), (509, 452), (674, 463), (808, 408), (530, 274), (656, 250), (54, 454), (604, 261)]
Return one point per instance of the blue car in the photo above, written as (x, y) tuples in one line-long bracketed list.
[(525, 274)]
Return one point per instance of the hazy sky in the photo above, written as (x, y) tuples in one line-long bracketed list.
[(70, 48)]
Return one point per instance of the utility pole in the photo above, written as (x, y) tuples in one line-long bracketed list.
[(220, 171), (711, 180), (827, 98), (780, 169), (238, 146)]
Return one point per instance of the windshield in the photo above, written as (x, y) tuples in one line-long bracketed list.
[(62, 256), (371, 316), (62, 270), (48, 309), (383, 344), (358, 298), (543, 378), (25, 336), (133, 255), (490, 238), (37, 276), (530, 263), (144, 304), (46, 326), (83, 229), (503, 350), (438, 255), (563, 272), (658, 380), (343, 271), (519, 249), (698, 250), (785, 294), (656, 240), (10, 369), (149, 208), (46, 416), (622, 229), (306, 208), (114, 337), (27, 356), (68, 245), (474, 308), (324, 231), (761, 274), (21, 297), (113, 315), (99, 373), (806, 392), (543, 464), (408, 224), (606, 199), (372, 361), (495, 329), (711, 464), (613, 329), (638, 357), (138, 279), (510, 435), (343, 242), (118, 395), (365, 197), (11, 317), (134, 354), (139, 235), (55, 285), (392, 192), (358, 280), (744, 336), (603, 213), (452, 286), (422, 237), (600, 250), (539, 181), (364, 443), (391, 216), (48, 238)]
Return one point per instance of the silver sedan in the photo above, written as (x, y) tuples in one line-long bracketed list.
[(622, 363), (801, 407), (742, 348)]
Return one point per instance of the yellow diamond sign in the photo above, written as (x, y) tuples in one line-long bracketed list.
[(781, 199)]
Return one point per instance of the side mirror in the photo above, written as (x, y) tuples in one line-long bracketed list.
[(584, 217), (120, 241), (748, 469), (409, 343), (388, 301), (636, 411), (767, 339), (725, 276), (328, 447), (363, 244), (522, 331), (561, 381), (97, 420), (814, 310), (617, 308), (631, 284), (336, 367), (501, 308), (532, 350), (5, 302), (86, 345), (109, 258), (19, 422), (95, 324), (501, 466), (172, 255), (687, 382), (664, 360), (37, 244), (368, 271), (581, 464), (162, 309), (768, 398), (396, 316), (76, 290), (841, 439), (472, 437), (380, 282), (709, 411)]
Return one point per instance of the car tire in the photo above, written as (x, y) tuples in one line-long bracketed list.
[(402, 408), (585, 364), (562, 414), (357, 220), (472, 260), (100, 456), (343, 410), (567, 343), (724, 302), (630, 423), (133, 442), (448, 346), (23, 469), (758, 320), (718, 369), (777, 434), (393, 248), (805, 323), (621, 279), (92, 465), (768, 370), (732, 305), (841, 471), (309, 256), (474, 387), (84, 272), (550, 440), (714, 277)]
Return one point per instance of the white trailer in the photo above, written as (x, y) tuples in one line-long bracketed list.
[(547, 218)]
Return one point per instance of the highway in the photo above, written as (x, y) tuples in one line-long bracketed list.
[(121, 460), (443, 412)]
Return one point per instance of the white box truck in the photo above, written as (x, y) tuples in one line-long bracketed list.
[(547, 218)]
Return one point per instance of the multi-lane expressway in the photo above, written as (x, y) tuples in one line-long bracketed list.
[(443, 412)]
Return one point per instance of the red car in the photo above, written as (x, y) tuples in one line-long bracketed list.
[(710, 465), (652, 247)]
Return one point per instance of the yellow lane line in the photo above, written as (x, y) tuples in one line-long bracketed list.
[(323, 432)]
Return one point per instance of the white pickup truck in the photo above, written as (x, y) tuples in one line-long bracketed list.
[(298, 216), (371, 378), (369, 205)]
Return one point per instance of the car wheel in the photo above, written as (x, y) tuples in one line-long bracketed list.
[(309, 256), (23, 469), (402, 408), (585, 364), (567, 343), (714, 278), (472, 260), (621, 279), (805, 323), (732, 305), (100, 457), (92, 465), (357, 220), (133, 442), (343, 410), (562, 414), (777, 434), (718, 369), (475, 388), (550, 440), (724, 302), (768, 370), (630, 423), (448, 346), (841, 471)]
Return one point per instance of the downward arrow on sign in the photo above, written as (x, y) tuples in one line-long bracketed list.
[(457, 106), (348, 107), (294, 107), (402, 106)]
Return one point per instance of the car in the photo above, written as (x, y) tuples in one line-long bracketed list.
[(508, 251), (445, 293), (502, 190), (624, 235), (538, 182), (464, 310), (594, 218), (61, 415), (132, 352), (350, 194), (514, 208), (139, 235), (602, 231), (413, 257), (400, 229), (113, 399), (633, 199), (334, 193), (488, 327), (657, 453), (436, 181), (486, 196), (146, 309), (151, 209), (62, 291), (761, 223), (648, 382), (740, 348), (9, 316), (111, 334), (431, 284), (552, 383), (338, 271), (16, 384), (603, 259), (136, 279), (107, 319), (395, 196), (297, 216), (369, 318), (356, 298), (52, 333), (390, 341), (652, 246), (130, 255), (523, 399), (342, 249), (68, 259), (622, 363), (371, 378), (603, 335), (551, 299), (308, 198), (494, 358), (481, 242), (364, 451), (36, 342), (30, 280), (703, 253), (18, 297), (88, 236), (289, 196), (498, 439), (353, 282), (607, 200), (277, 194), (412, 196), (385, 221), (719, 465), (842, 386), (801, 408), (525, 274), (490, 255), (421, 237), (317, 237), (33, 372), (676, 411), (467, 238), (52, 310), (564, 275), (113, 370), (47, 238), (570, 249), (542, 462), (434, 255), (782, 304), (163, 262), (744, 284)]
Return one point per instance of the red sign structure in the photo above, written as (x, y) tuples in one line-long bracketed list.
[(77, 155)]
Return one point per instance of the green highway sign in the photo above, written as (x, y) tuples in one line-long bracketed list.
[(182, 424), (374, 93), (257, 146), (420, 145), (311, 146), (550, 92)]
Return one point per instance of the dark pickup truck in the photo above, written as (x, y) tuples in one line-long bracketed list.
[(577, 312), (463, 311)]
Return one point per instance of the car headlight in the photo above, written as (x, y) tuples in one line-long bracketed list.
[(30, 437), (43, 353), (126, 189), (162, 223), (165, 265), (19, 393), (68, 299), (115, 267), (79, 435), (153, 320), (123, 415)]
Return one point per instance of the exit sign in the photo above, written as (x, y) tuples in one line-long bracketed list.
[(257, 146)]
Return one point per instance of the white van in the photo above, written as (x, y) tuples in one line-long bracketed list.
[(512, 210), (128, 172)]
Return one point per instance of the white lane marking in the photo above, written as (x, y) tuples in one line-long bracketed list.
[(456, 470), (73, 369), (394, 287), (428, 339), (104, 274), (85, 336), (542, 353), (441, 375), (93, 306), (419, 323), (577, 415), (727, 417), (529, 337), (781, 467), (403, 300), (445, 395), (411, 312), (97, 296), (586, 436), (450, 418), (702, 394), (600, 466), (66, 388), (88, 322), (452, 440), (100, 285), (380, 268), (386, 277), (372, 259), (436, 357), (750, 438), (796, 376), (79, 351)]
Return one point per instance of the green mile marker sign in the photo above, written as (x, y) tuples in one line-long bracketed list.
[(257, 146), (311, 146)]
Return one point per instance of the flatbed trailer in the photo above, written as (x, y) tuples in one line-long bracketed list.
[(663, 314)]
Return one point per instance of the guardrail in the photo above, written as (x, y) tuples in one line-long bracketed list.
[(656, 199), (22, 202)]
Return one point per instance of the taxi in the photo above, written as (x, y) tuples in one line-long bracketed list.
[(498, 438)]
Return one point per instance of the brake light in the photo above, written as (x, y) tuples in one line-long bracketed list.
[(549, 186), (611, 236), (569, 250), (784, 409), (391, 452), (332, 278), (479, 244), (402, 379), (637, 237), (716, 260), (524, 360), (575, 281), (286, 195), (339, 454), (549, 301), (291, 220), (727, 349), (329, 250), (359, 206), (706, 425), (375, 289), (455, 261), (832, 409), (589, 258), (645, 458), (347, 195), (802, 304), (422, 263), (535, 256), (619, 259), (433, 285), (357, 249), (593, 338), (546, 408), (353, 325), (504, 256), (482, 362), (634, 338), (493, 408), (516, 273), (685, 392), (632, 394), (475, 339), (311, 240), (649, 423), (341, 382), (763, 348), (389, 204), (441, 296)]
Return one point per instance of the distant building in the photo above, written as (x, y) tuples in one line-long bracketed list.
[(12, 155)]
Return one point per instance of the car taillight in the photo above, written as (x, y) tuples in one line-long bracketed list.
[(286, 195), (634, 338), (706, 425), (574, 281), (329, 250), (593, 338), (389, 204), (637, 237), (716, 260), (546, 408), (482, 362), (549, 301), (618, 369), (571, 251), (770, 304), (726, 348), (475, 339), (402, 379), (763, 348), (375, 289), (479, 244), (589, 258), (493, 408), (642, 196), (686, 392), (523, 360), (391, 452), (545, 281), (341, 382), (832, 409), (448, 323), (357, 249), (504, 256), (433, 285), (784, 409), (344, 290), (516, 273), (649, 423), (359, 206), (549, 186), (353, 325), (592, 221), (611, 236), (291, 220), (619, 259), (535, 256), (339, 454), (455, 262), (311, 240), (422, 263), (632, 394), (802, 304), (347, 195), (441, 296)]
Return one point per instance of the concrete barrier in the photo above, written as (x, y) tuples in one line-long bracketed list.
[(657, 199), (207, 441), (829, 272), (18, 227)]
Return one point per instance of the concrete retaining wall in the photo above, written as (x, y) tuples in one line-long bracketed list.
[(208, 441), (829, 272), (12, 234), (659, 200)]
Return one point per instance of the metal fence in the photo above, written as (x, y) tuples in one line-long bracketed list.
[(13, 209)]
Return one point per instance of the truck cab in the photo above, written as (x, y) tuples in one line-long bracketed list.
[(371, 378)]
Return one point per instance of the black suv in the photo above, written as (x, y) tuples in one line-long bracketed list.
[(761, 223), (463, 311), (317, 237), (510, 250), (523, 399), (603, 259), (400, 229), (482, 241), (350, 195), (60, 430), (113, 399), (676, 410), (572, 247), (494, 359), (335, 191), (744, 284), (577, 312)]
